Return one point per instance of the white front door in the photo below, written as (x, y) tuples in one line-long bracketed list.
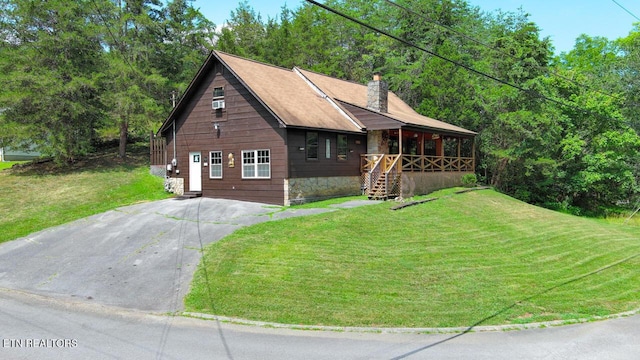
[(195, 171)]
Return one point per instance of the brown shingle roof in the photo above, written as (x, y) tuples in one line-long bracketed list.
[(288, 95), (301, 98), (356, 94)]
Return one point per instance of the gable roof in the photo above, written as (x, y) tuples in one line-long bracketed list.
[(300, 98), (356, 94), (288, 96)]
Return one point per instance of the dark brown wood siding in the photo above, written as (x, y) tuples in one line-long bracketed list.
[(301, 167), (244, 124)]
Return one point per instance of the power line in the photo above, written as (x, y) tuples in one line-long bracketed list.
[(115, 40), (454, 62), (495, 48), (625, 9)]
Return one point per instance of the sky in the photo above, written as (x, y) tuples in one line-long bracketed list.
[(560, 20)]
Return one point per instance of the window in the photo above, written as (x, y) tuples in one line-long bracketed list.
[(327, 148), (217, 103), (256, 164), (215, 169), (312, 146), (218, 92), (343, 147)]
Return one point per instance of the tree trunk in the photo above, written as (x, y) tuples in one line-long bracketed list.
[(124, 129), (496, 179)]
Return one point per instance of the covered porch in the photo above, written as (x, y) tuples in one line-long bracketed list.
[(415, 153)]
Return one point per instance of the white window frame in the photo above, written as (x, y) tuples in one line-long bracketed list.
[(255, 163), (216, 165)]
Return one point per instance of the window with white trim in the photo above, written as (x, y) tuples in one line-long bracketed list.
[(218, 98), (256, 164), (215, 166)]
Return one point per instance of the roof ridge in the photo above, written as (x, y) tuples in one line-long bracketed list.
[(331, 77), (252, 60)]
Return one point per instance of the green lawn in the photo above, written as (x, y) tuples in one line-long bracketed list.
[(477, 258), (8, 164), (33, 200)]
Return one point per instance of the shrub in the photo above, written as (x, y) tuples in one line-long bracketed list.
[(469, 180)]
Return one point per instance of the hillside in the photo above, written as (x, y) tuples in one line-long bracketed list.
[(477, 258), (35, 196)]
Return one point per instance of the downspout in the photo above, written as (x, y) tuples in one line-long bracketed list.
[(174, 140)]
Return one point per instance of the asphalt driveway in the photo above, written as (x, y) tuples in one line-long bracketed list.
[(139, 257)]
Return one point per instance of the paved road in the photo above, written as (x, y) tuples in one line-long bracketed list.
[(102, 332)]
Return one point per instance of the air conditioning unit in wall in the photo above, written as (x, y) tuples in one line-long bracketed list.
[(217, 104)]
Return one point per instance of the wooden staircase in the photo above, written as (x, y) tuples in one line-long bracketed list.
[(189, 195), (383, 189), (382, 176)]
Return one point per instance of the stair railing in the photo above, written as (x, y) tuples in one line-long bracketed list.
[(376, 170), (393, 169)]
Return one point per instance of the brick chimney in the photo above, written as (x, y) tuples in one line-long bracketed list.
[(377, 94)]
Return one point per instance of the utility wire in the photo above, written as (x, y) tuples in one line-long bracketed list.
[(625, 9), (494, 48), (454, 62), (115, 40)]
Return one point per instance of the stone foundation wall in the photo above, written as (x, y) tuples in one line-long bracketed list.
[(303, 190), (174, 185), (424, 183)]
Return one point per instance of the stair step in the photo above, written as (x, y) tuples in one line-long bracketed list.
[(189, 195)]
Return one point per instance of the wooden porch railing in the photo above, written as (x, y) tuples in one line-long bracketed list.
[(419, 163), (381, 175)]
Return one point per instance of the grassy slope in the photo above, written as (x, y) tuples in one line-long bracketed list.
[(469, 259), (37, 197)]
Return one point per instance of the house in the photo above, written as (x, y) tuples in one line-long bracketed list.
[(8, 154), (250, 131)]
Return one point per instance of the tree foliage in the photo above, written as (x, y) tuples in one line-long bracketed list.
[(75, 70), (51, 56), (555, 130)]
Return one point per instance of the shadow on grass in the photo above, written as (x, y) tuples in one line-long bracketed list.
[(102, 162), (478, 323)]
